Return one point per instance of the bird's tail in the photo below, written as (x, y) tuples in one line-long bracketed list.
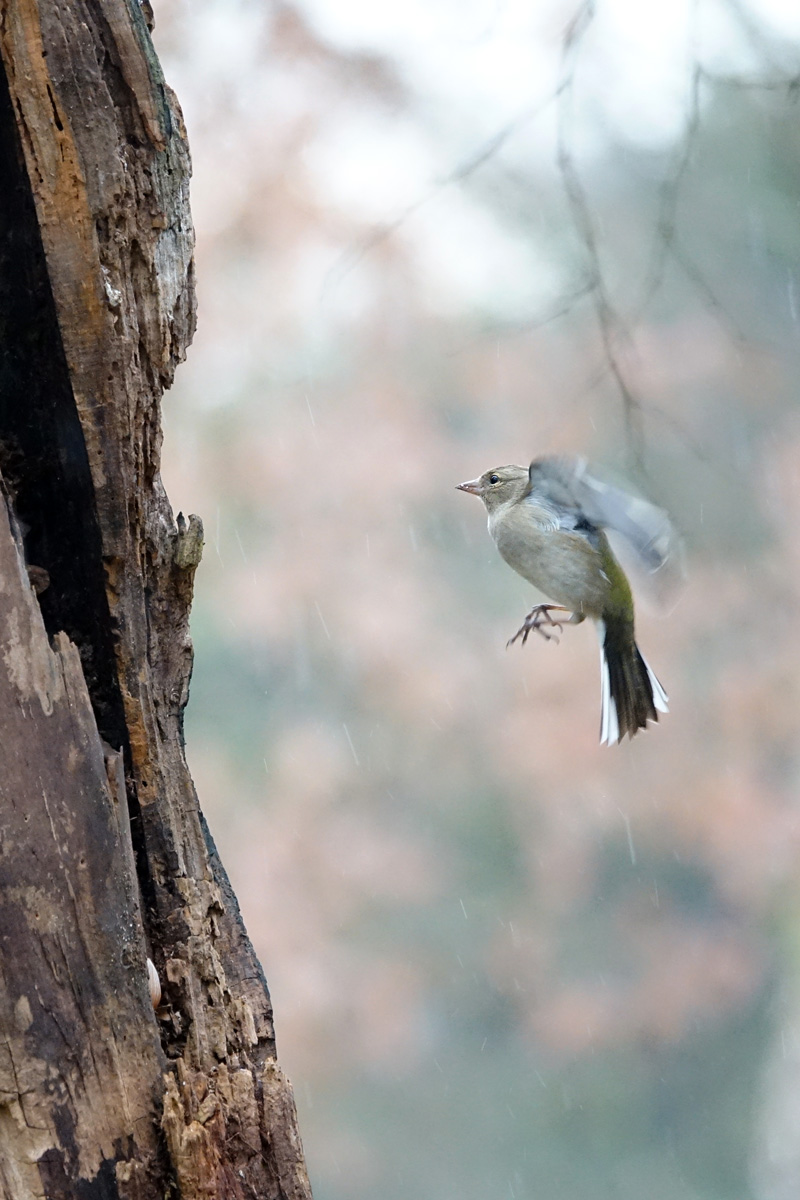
[(631, 694)]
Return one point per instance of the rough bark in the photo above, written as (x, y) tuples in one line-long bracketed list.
[(104, 856)]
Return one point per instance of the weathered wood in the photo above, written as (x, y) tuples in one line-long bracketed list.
[(97, 307), (80, 1069)]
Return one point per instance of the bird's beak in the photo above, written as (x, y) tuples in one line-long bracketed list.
[(473, 486)]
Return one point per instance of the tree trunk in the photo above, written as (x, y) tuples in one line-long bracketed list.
[(104, 857)]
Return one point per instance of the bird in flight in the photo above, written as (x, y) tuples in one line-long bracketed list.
[(554, 523)]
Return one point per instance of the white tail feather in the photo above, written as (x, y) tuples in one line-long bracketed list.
[(660, 697), (609, 721)]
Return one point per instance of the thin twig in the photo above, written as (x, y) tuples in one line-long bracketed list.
[(612, 331), (479, 158)]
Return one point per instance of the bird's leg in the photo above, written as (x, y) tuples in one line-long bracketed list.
[(538, 617)]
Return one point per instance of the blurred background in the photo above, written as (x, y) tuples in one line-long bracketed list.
[(433, 238)]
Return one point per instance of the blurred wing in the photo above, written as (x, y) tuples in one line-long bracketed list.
[(640, 533), (552, 506)]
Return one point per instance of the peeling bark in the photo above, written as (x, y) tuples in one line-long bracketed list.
[(104, 856)]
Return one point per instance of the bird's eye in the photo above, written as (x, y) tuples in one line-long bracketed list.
[(494, 479)]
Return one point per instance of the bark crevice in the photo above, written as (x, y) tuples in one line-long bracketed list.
[(42, 450)]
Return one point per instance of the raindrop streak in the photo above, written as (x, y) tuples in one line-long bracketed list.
[(461, 902), (313, 422), (631, 847), (350, 744), (239, 540), (328, 636)]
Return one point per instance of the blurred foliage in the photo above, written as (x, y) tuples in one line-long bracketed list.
[(505, 962)]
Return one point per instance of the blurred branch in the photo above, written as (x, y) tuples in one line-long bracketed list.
[(754, 32), (563, 308), (706, 290), (615, 330), (669, 197), (612, 330), (666, 243), (484, 154), (790, 83)]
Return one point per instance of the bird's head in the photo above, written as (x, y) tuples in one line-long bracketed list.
[(501, 485)]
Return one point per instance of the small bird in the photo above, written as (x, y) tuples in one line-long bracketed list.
[(551, 522)]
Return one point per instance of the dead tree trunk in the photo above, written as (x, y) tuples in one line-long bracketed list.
[(104, 857)]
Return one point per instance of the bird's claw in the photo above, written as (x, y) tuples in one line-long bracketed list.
[(536, 620)]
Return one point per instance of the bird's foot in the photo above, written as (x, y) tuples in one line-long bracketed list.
[(540, 621)]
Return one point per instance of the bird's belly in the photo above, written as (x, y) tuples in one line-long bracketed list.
[(561, 565)]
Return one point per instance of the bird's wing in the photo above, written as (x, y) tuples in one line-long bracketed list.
[(553, 499), (564, 485)]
